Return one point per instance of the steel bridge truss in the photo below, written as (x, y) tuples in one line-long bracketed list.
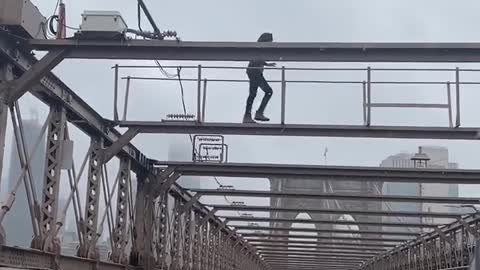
[(165, 226)]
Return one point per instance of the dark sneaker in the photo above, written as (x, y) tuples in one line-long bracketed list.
[(260, 117), (247, 119)]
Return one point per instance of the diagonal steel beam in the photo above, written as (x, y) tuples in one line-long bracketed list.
[(343, 222), (337, 196), (332, 173), (311, 230), (118, 145), (337, 211), (33, 76), (275, 51)]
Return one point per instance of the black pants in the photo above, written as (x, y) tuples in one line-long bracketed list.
[(257, 80)]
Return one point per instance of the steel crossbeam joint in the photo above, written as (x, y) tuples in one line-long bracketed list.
[(17, 88), (188, 205), (117, 146)]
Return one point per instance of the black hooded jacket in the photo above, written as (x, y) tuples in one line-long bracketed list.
[(257, 65)]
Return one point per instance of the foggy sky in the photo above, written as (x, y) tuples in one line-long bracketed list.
[(315, 21)]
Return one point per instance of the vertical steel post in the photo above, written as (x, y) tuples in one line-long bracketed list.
[(284, 89), (127, 95), (199, 94), (369, 95), (205, 248), (115, 95), (148, 260), (6, 75), (204, 103), (138, 228), (457, 89), (3, 130), (51, 183), (449, 103), (197, 242), (187, 240), (175, 247), (364, 88), (120, 236), (92, 201), (477, 254)]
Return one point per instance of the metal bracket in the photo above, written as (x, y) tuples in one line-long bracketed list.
[(116, 147), (189, 204)]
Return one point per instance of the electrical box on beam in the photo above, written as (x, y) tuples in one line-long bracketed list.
[(102, 25), (23, 18)]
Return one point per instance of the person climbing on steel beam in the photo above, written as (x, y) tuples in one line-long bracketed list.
[(256, 78)]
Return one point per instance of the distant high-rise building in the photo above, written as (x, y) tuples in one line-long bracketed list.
[(18, 225), (438, 158)]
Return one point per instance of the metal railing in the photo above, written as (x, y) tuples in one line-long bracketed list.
[(367, 85)]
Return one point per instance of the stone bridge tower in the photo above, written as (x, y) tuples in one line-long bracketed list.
[(306, 185)]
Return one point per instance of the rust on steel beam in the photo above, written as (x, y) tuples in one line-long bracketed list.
[(275, 51), (304, 130), (334, 173)]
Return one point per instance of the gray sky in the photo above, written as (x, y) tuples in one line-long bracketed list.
[(339, 20)]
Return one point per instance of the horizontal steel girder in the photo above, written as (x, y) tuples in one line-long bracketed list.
[(316, 251), (254, 237), (315, 246), (15, 257), (340, 222), (327, 254), (311, 260), (304, 130), (244, 51), (338, 196), (318, 263), (287, 241), (338, 211), (325, 259), (310, 230), (337, 173)]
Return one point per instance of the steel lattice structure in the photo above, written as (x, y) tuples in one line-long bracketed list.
[(165, 226)]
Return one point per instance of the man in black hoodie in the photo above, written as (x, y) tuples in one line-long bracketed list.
[(255, 75)]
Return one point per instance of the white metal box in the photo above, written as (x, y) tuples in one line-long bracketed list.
[(23, 17), (106, 23)]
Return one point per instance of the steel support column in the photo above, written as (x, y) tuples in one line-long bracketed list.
[(90, 237), (120, 235), (176, 236), (51, 184)]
